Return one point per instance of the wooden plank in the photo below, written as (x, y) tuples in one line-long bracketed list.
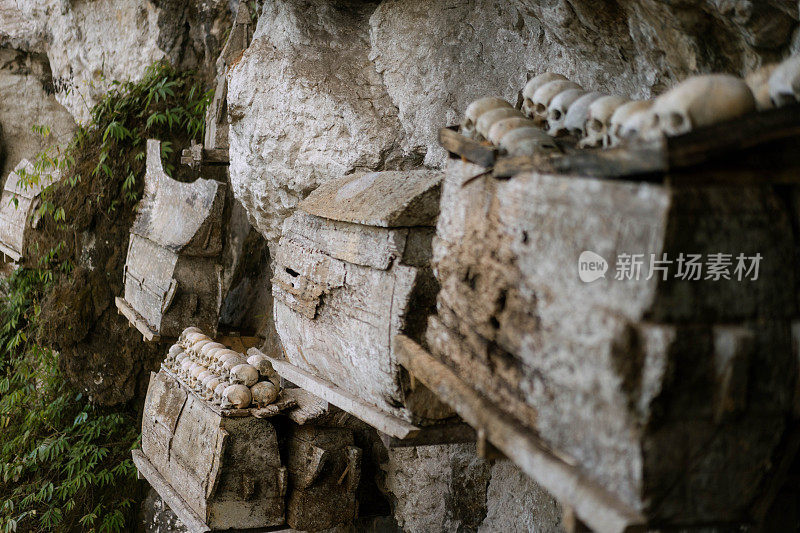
[(388, 199), (185, 513), (748, 131), (432, 435), (595, 506), (342, 399), (471, 150), (136, 320), (210, 156)]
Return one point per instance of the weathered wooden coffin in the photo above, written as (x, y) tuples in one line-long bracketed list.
[(173, 271), (351, 271), (674, 396), (226, 470), (18, 206), (324, 471)]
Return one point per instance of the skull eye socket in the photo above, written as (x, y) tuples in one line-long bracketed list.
[(555, 114), (595, 126), (676, 121), (541, 109)]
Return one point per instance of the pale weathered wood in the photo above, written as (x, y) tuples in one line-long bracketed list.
[(172, 270), (385, 199), (648, 385), (596, 507), (329, 392), (340, 331), (213, 460), (370, 246), (18, 204), (185, 514), (136, 320)]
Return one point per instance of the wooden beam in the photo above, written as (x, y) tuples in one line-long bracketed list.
[(469, 149), (593, 504), (380, 420), (454, 433), (194, 523), (136, 320)]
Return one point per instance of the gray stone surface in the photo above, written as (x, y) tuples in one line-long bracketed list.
[(89, 44), (26, 100), (514, 502), (157, 517), (449, 488), (306, 105)]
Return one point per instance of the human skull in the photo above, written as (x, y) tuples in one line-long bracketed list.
[(262, 364), (187, 331), (528, 141), (697, 102), (264, 393), (219, 389), (478, 108), (558, 109), (488, 119), (598, 119), (758, 81), (621, 116), (501, 127), (236, 396), (532, 86), (194, 372), (174, 350), (784, 82), (244, 374), (209, 385), (183, 373), (193, 338), (232, 362), (544, 95), (575, 120), (197, 347)]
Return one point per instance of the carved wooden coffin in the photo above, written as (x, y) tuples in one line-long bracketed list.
[(18, 206), (351, 271), (226, 470), (173, 272), (324, 471), (673, 395)]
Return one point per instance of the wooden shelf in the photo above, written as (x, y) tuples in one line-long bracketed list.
[(194, 523), (380, 420), (755, 149), (592, 504), (136, 320)]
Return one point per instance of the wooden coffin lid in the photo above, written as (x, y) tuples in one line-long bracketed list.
[(388, 199), (178, 216)]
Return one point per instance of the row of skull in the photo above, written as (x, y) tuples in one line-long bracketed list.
[(220, 375), (554, 106)]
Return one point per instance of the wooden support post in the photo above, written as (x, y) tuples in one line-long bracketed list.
[(384, 422), (136, 320), (593, 504)]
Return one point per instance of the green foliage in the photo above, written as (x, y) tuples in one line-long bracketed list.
[(65, 463)]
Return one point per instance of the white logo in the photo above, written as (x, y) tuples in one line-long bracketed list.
[(591, 266)]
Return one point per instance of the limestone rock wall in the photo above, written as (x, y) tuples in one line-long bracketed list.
[(330, 87), (26, 100), (449, 488), (91, 43)]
